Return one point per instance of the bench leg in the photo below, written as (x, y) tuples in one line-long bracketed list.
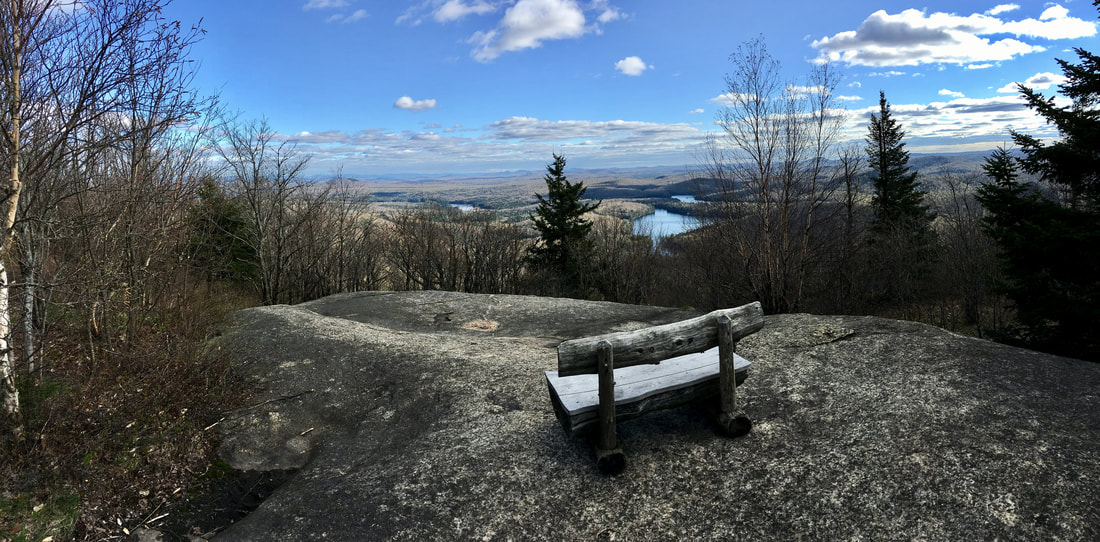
[(733, 422), (609, 457)]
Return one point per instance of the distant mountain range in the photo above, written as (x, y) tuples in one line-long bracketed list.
[(925, 164)]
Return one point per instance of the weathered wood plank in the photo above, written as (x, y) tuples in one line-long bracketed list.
[(606, 395), (654, 344), (639, 389), (729, 418), (726, 382)]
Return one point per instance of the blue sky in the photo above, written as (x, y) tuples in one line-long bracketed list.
[(469, 86)]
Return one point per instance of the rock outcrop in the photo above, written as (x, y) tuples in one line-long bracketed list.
[(424, 416)]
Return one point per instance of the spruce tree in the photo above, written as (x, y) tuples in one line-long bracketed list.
[(559, 219), (901, 244), (1049, 239), (898, 203)]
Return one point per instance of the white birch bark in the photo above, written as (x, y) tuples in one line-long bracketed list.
[(13, 413)]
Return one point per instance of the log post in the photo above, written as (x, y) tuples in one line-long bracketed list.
[(609, 457), (730, 419)]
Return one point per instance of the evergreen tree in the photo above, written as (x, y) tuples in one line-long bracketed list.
[(559, 219), (216, 247), (901, 244), (1049, 240), (898, 203)]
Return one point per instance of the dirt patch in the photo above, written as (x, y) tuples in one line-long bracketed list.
[(481, 325)]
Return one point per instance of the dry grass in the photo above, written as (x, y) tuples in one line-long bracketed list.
[(121, 432)]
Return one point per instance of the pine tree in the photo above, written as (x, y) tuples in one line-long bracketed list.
[(898, 203), (1049, 240), (559, 219)]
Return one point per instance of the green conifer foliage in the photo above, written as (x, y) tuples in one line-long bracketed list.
[(1049, 237), (898, 202), (559, 219)]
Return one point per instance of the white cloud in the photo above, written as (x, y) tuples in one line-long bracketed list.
[(317, 138), (730, 99), (636, 133), (409, 104), (952, 93), (955, 125), (359, 15), (1054, 12), (1003, 8), (1039, 81), (527, 24), (511, 143), (844, 98), (855, 84), (324, 4), (802, 91), (979, 66), (607, 13), (695, 111), (914, 37), (632, 65), (454, 10)]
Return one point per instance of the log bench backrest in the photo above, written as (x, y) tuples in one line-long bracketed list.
[(655, 344)]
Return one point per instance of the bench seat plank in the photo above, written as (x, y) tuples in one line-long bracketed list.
[(639, 389)]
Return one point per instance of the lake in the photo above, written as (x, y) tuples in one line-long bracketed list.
[(664, 224)]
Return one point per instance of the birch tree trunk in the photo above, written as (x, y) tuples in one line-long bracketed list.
[(13, 413), (63, 71)]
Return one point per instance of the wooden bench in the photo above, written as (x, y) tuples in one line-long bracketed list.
[(616, 377)]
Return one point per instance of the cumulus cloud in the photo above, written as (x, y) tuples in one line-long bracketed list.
[(845, 98), (1039, 81), (454, 10), (695, 111), (324, 4), (981, 66), (955, 125), (631, 65), (527, 24), (914, 37), (952, 93), (1003, 8), (415, 106)]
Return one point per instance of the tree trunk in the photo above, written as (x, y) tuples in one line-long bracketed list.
[(13, 413)]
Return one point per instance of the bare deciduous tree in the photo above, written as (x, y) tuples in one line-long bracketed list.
[(67, 66), (264, 175), (771, 173)]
